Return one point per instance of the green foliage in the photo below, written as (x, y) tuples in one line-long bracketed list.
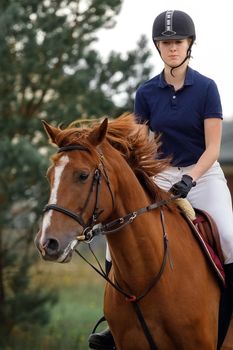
[(73, 318), (49, 69)]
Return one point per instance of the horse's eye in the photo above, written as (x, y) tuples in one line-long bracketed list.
[(81, 176)]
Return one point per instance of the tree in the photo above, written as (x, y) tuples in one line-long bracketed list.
[(49, 69)]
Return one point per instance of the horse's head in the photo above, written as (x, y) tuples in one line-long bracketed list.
[(88, 180), (80, 191)]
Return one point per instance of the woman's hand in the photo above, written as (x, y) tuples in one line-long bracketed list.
[(182, 188)]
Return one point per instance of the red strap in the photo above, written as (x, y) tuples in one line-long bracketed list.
[(131, 298), (198, 219)]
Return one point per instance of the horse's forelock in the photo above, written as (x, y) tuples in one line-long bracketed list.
[(72, 136)]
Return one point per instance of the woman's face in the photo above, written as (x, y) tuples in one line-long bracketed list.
[(173, 52)]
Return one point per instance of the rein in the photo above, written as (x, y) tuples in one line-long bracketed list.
[(130, 297), (118, 224)]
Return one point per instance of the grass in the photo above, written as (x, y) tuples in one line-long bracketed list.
[(80, 290)]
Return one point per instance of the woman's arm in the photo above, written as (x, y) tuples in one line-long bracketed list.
[(213, 135)]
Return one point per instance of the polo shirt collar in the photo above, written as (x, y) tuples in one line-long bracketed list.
[(188, 78)]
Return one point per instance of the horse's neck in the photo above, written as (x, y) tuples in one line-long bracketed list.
[(137, 249)]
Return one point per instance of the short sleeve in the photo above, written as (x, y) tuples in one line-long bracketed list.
[(141, 109), (213, 107)]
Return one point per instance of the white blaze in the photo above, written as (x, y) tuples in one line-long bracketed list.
[(53, 196)]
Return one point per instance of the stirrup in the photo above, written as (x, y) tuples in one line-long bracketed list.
[(96, 344), (102, 319)]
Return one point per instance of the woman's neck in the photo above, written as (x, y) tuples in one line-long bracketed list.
[(178, 77)]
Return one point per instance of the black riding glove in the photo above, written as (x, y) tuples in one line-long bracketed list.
[(183, 187)]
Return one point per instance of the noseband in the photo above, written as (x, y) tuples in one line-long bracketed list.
[(96, 182)]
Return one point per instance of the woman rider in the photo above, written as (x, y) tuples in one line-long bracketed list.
[(184, 107)]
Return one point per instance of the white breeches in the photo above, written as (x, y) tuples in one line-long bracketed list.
[(212, 195)]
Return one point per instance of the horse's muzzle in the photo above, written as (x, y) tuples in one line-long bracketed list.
[(51, 250)]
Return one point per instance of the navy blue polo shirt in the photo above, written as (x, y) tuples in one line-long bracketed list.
[(179, 115)]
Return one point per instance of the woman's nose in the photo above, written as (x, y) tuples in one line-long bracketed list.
[(172, 47)]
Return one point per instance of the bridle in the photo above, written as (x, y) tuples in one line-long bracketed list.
[(91, 229), (95, 185)]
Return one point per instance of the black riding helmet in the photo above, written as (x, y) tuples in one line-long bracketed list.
[(173, 25)]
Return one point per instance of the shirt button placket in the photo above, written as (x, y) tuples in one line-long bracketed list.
[(174, 101)]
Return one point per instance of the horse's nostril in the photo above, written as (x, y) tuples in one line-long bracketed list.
[(51, 246)]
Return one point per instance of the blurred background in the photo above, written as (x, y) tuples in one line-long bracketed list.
[(61, 61)]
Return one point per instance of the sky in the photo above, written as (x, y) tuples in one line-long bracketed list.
[(212, 53)]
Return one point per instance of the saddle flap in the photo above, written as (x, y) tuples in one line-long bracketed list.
[(205, 231), (209, 231)]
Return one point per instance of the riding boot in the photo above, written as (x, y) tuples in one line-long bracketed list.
[(226, 305), (103, 340)]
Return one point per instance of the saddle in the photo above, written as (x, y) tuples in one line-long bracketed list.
[(206, 232)]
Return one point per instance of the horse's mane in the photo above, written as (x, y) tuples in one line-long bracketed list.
[(140, 151), (131, 140)]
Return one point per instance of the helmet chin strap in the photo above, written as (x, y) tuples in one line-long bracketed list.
[(188, 55), (179, 65)]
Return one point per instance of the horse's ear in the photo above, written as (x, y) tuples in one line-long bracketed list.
[(51, 131), (98, 134)]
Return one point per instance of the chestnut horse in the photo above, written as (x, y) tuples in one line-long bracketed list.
[(165, 296)]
